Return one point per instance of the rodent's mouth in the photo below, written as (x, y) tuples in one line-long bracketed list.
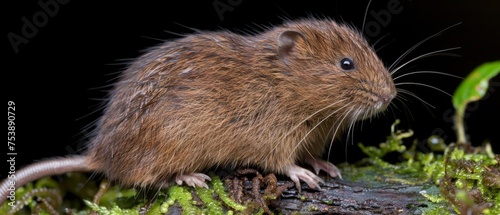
[(380, 107), (366, 113), (380, 104), (383, 102)]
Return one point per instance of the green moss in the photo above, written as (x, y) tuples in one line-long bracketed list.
[(432, 198), (439, 210), (212, 205), (117, 200), (303, 198), (116, 195), (156, 208), (219, 189), (328, 202), (182, 195), (47, 188), (313, 208), (114, 210), (392, 144), (458, 173)]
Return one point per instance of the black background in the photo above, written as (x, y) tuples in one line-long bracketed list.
[(58, 79)]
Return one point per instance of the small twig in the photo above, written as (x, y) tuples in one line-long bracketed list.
[(103, 187)]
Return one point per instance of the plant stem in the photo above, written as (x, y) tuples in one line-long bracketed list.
[(459, 124)]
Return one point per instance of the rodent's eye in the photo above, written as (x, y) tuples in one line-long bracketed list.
[(347, 64)]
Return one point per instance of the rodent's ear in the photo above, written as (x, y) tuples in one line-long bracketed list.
[(287, 41)]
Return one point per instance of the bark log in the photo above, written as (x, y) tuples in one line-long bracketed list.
[(348, 197)]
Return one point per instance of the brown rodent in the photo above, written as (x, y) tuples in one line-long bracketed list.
[(219, 99)]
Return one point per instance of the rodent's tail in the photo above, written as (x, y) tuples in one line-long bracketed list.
[(53, 166)]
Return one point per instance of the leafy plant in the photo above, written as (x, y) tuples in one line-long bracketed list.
[(472, 88)]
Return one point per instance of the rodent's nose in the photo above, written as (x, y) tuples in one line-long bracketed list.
[(387, 98), (384, 100)]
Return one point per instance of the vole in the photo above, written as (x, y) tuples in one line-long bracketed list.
[(220, 99)]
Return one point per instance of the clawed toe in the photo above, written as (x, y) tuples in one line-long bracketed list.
[(193, 179), (326, 166), (297, 173)]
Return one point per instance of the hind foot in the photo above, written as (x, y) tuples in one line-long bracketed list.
[(193, 179)]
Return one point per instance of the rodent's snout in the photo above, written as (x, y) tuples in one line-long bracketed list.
[(384, 100), (385, 93)]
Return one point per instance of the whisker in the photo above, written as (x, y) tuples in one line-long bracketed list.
[(434, 53), (413, 95), (313, 114), (364, 18), (350, 131), (353, 124), (401, 98), (392, 108), (427, 72), (418, 44), (312, 129), (307, 118), (335, 133), (380, 39), (355, 116), (363, 121), (337, 129), (425, 85), (381, 47)]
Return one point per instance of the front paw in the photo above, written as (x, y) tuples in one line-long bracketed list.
[(318, 164), (297, 173)]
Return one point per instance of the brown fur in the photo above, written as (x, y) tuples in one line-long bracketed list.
[(219, 99)]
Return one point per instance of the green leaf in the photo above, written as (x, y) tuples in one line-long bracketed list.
[(472, 88), (475, 85)]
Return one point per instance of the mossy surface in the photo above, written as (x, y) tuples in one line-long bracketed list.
[(455, 178), (117, 201)]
